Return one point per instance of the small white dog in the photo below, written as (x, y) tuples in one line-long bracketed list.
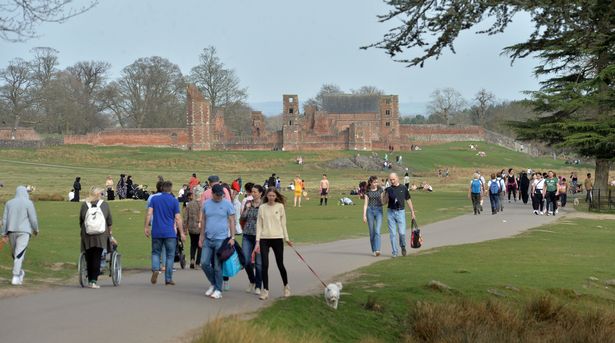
[(332, 294)]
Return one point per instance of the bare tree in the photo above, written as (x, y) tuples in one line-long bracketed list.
[(325, 89), (367, 90), (15, 90), (19, 18), (483, 100), (218, 83), (445, 103), (150, 93), (44, 71)]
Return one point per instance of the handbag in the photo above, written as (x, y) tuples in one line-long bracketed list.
[(231, 266), (416, 240)]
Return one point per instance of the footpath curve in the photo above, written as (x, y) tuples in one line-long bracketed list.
[(137, 311)]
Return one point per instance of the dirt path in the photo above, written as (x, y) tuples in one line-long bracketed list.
[(140, 312)]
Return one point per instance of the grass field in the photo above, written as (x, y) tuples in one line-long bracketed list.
[(52, 170), (544, 285), (53, 254)]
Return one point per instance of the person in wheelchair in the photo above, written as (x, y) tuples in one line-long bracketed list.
[(95, 221)]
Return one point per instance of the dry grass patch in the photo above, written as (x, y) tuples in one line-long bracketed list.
[(233, 330)]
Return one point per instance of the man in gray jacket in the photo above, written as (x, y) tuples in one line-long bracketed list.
[(18, 223)]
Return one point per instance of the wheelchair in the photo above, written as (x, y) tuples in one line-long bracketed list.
[(111, 264)]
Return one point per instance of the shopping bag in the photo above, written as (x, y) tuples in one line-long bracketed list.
[(231, 266)]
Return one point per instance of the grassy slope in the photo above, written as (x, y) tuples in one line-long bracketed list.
[(556, 259)]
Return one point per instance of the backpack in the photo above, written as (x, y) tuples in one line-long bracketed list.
[(416, 240), (476, 186), (494, 187), (95, 222)]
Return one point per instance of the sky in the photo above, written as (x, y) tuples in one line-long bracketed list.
[(281, 47)]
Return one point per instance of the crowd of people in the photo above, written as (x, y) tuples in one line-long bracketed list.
[(545, 190)]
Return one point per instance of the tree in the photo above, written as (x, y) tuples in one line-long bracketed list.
[(445, 103), (217, 83), (235, 117), (44, 72), (150, 93), (325, 89), (86, 81), (367, 90), (574, 41), (19, 18), (483, 100), (15, 91)]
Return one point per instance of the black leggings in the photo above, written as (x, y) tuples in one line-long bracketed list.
[(538, 203), (92, 259), (194, 248), (277, 245)]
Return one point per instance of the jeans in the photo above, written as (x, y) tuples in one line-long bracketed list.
[(168, 244), (374, 223), (494, 199), (563, 198), (397, 223), (255, 276), (211, 265), (551, 200)]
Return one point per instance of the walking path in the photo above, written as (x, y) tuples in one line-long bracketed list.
[(137, 311)]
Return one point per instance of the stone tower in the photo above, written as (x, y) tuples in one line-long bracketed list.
[(198, 120), (291, 132), (389, 119)]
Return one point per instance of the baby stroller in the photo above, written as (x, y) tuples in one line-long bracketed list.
[(180, 256), (140, 192), (111, 263)]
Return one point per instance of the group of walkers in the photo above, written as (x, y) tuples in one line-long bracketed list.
[(124, 189), (544, 190)]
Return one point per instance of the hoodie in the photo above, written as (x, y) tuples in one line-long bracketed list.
[(19, 214)]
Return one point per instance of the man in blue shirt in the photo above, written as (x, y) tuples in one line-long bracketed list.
[(163, 213), (217, 224)]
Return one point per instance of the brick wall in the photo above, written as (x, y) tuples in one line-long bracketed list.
[(432, 134), (21, 134), (177, 138)]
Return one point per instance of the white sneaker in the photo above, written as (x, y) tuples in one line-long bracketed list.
[(15, 281), (251, 288), (257, 291), (216, 295), (557, 211), (93, 285), (21, 276), (542, 213), (209, 291)]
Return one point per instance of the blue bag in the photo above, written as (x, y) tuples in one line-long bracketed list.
[(231, 266)]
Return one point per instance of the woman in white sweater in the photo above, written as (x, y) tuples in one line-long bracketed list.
[(271, 234)]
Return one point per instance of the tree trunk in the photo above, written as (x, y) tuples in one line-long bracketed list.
[(601, 178), (15, 126)]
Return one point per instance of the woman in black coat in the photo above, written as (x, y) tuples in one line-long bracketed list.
[(524, 185), (77, 188)]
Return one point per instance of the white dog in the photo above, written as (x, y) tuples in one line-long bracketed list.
[(332, 294)]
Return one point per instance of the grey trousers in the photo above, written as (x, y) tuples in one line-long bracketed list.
[(19, 243)]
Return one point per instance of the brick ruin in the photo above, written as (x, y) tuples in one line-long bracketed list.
[(345, 122)]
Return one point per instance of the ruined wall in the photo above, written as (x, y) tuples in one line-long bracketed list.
[(176, 138), (432, 134), (21, 134), (198, 120)]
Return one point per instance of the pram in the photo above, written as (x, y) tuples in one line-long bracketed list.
[(111, 263), (180, 256), (139, 192)]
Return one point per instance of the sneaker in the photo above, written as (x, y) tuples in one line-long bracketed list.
[(209, 291), (251, 288), (226, 285), (286, 291), (21, 276), (377, 253), (542, 213), (536, 212), (257, 291), (216, 295), (557, 211), (393, 256), (191, 264), (93, 285), (15, 281), (264, 295), (154, 278), (170, 283), (403, 251)]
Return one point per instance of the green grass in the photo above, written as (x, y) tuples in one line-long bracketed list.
[(52, 170), (52, 255), (555, 260)]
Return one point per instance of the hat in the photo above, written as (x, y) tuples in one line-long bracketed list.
[(217, 190), (213, 178)]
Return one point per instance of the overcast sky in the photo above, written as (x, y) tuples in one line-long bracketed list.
[(279, 46)]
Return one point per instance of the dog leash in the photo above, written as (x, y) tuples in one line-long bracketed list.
[(304, 261)]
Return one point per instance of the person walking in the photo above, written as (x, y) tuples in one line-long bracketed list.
[(524, 185), (474, 192), (76, 189), (511, 185), (538, 192), (589, 187), (270, 234), (193, 182), (19, 223), (372, 212), (500, 178), (121, 187), (298, 192), (164, 215), (396, 197), (562, 189), (249, 216), (494, 187), (109, 186), (324, 189), (192, 212), (406, 179), (93, 244), (551, 193), (217, 219)]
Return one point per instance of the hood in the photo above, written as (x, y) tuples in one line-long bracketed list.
[(22, 193)]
